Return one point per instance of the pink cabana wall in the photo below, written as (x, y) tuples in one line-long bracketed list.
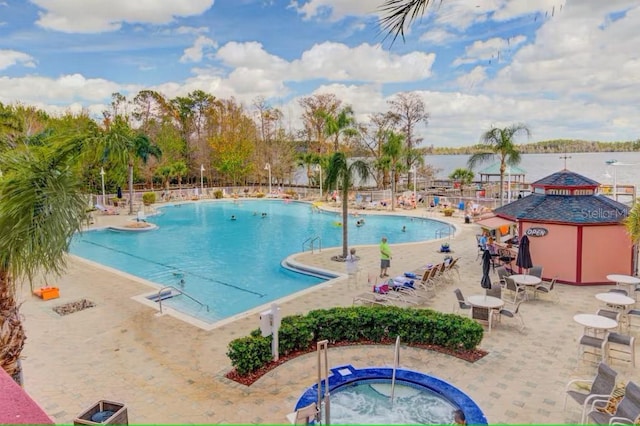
[(581, 254), (556, 252), (605, 250)]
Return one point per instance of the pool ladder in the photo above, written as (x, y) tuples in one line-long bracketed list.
[(311, 241), (181, 292), (323, 375), (443, 232), (396, 364)]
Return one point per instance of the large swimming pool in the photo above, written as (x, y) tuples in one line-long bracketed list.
[(235, 265)]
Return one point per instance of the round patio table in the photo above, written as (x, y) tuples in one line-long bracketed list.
[(527, 281), (484, 304), (630, 281), (615, 299), (596, 322)]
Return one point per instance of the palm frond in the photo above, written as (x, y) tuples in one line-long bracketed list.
[(399, 14)]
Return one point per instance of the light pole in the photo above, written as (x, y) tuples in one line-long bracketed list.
[(415, 174), (319, 169), (102, 178), (268, 167), (201, 180), (509, 186)]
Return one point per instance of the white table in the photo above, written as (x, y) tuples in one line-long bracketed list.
[(485, 305), (615, 299), (596, 322), (627, 280), (526, 280)]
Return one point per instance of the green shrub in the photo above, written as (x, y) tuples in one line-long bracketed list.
[(357, 323), (148, 198), (217, 194), (250, 353), (259, 194)]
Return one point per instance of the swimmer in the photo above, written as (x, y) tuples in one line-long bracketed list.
[(255, 213), (404, 229), (182, 283), (359, 223), (264, 215), (233, 217)]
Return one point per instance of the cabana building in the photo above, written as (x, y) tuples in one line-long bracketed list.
[(575, 233)]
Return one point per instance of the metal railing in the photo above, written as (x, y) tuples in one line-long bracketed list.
[(396, 364), (181, 292), (311, 241), (444, 232)]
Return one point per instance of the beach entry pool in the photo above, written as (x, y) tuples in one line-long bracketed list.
[(235, 265), (363, 396)]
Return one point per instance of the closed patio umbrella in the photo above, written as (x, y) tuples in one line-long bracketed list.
[(486, 267), (524, 255)]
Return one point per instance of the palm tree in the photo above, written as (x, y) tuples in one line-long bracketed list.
[(179, 169), (123, 145), (500, 142), (392, 152), (463, 176), (41, 206), (341, 124), (342, 173)]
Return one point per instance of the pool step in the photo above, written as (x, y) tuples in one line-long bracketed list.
[(163, 295)]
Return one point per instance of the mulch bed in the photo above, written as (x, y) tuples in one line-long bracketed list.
[(470, 356)]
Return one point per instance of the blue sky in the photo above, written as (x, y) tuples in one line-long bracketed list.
[(566, 68)]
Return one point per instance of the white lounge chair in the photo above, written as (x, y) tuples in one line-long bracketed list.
[(106, 210)]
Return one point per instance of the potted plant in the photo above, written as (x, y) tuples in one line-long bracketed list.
[(448, 211), (148, 198), (115, 201), (445, 248)]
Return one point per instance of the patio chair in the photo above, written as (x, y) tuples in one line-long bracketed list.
[(614, 315), (502, 273), (626, 412), (536, 271), (514, 313), (597, 343), (304, 415), (621, 347), (601, 386), (519, 293), (619, 291), (546, 288), (633, 315), (494, 291), (106, 210), (461, 301)]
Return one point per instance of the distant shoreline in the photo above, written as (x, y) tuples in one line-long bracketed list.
[(560, 146)]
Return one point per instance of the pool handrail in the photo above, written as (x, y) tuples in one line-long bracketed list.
[(181, 292), (311, 240), (396, 364)]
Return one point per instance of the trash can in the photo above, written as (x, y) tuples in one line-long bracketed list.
[(103, 413)]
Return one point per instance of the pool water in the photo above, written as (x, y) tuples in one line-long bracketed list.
[(369, 402), (235, 265)]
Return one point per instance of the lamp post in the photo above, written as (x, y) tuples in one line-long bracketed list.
[(201, 180), (319, 169), (268, 167), (509, 186), (102, 178), (415, 174)]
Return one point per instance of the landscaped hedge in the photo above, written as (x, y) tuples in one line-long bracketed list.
[(354, 324)]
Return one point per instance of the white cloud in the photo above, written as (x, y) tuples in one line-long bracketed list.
[(94, 16), (438, 36), (332, 61), (489, 50), (195, 52), (10, 58), (334, 9), (35, 90)]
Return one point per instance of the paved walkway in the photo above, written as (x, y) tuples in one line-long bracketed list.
[(168, 371)]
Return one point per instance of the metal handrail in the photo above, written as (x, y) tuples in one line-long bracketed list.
[(181, 292), (311, 240), (396, 364), (441, 232)]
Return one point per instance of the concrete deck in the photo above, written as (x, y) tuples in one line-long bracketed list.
[(168, 371)]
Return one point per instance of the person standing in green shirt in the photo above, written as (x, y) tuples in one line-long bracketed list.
[(385, 257)]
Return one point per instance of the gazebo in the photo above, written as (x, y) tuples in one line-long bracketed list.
[(492, 173), (575, 233)]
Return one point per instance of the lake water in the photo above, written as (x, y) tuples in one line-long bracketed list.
[(590, 164)]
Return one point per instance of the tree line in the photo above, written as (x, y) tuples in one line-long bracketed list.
[(554, 146)]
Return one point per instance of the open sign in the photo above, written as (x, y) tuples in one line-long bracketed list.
[(536, 232)]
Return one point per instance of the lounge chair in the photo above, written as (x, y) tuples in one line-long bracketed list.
[(600, 387), (626, 412), (106, 210), (383, 295)]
